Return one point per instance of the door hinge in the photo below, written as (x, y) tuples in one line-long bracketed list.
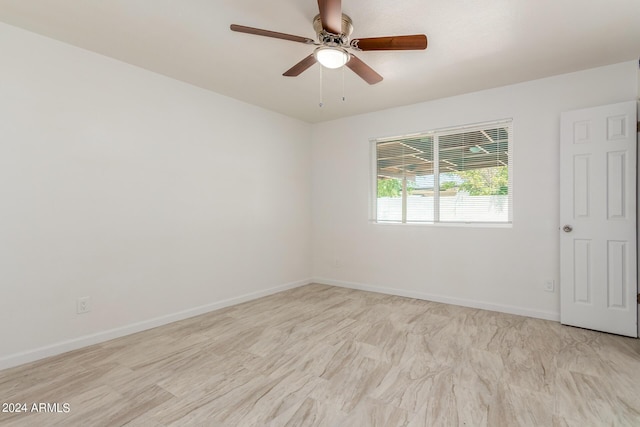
[(638, 298)]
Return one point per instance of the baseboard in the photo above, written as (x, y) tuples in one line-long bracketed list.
[(520, 311), (17, 359)]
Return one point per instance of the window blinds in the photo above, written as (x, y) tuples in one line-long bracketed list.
[(451, 175)]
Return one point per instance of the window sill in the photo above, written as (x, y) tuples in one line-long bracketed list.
[(446, 224)]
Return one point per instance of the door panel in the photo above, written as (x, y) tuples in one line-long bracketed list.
[(581, 173), (582, 274), (615, 185), (598, 255), (617, 283)]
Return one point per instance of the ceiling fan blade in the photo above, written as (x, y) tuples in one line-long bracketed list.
[(301, 66), (331, 15), (365, 72), (267, 33), (413, 42)]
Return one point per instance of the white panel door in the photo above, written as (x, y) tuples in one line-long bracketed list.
[(598, 261)]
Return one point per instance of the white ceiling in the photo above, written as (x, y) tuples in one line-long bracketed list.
[(473, 44)]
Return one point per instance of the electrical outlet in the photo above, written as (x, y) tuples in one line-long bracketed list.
[(83, 305), (550, 285)]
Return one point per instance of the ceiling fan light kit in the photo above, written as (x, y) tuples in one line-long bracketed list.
[(333, 30), (331, 57)]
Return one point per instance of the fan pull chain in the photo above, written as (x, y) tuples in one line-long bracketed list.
[(320, 104), (343, 96)]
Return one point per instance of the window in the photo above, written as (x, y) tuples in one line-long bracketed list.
[(460, 175)]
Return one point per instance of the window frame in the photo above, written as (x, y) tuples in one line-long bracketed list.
[(436, 134)]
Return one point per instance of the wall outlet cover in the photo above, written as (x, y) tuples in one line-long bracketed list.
[(550, 285), (83, 305)]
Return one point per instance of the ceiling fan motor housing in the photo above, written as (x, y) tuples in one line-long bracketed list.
[(329, 39)]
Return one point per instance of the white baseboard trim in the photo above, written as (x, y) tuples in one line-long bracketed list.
[(23, 357), (520, 311)]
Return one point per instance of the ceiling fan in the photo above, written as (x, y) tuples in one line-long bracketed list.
[(333, 29)]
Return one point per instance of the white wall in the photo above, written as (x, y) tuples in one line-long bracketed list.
[(157, 199), (497, 268)]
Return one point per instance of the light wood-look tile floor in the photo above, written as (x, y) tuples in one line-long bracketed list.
[(326, 356)]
